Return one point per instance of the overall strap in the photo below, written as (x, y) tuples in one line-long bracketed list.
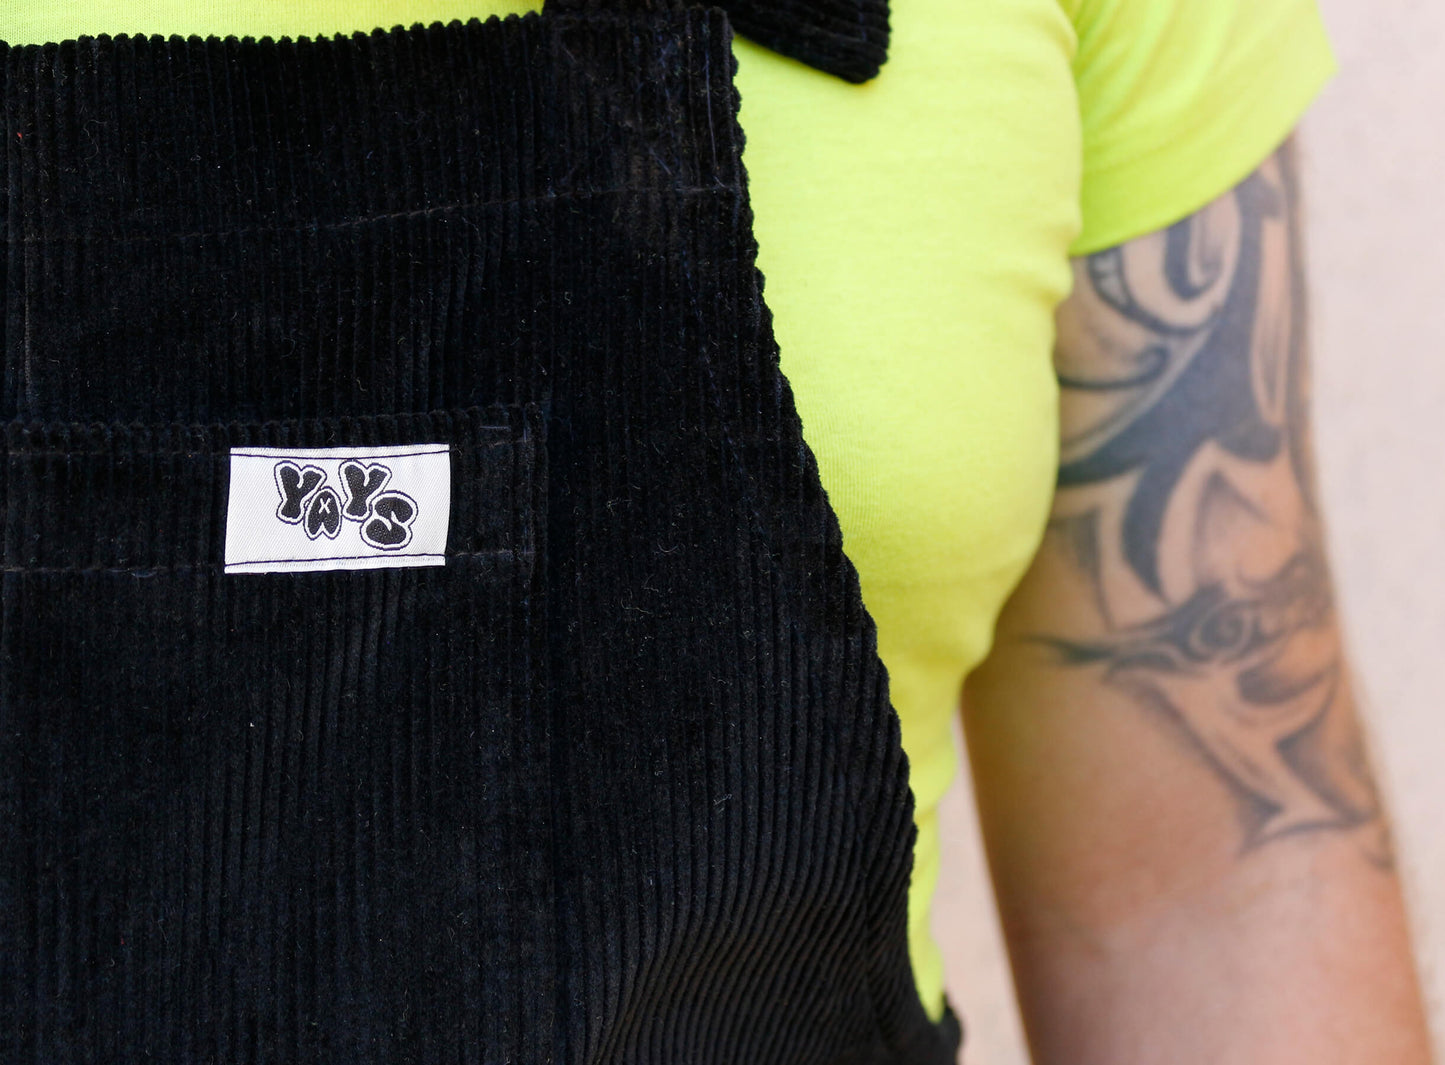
[(848, 38)]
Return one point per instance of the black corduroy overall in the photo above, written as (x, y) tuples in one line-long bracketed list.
[(616, 781)]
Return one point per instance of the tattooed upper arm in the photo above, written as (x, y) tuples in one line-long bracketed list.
[(1186, 501), (1168, 770)]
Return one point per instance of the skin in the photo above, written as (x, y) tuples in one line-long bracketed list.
[(1189, 850)]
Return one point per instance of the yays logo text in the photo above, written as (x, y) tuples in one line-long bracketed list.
[(386, 516)]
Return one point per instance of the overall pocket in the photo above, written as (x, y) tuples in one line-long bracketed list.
[(269, 816)]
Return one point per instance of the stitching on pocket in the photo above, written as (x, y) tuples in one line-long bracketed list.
[(152, 498), (500, 554)]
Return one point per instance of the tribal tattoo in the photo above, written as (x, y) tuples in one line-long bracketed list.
[(1186, 498)]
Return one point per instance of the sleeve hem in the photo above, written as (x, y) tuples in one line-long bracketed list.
[(1190, 166)]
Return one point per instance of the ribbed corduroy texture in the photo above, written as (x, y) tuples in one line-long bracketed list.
[(618, 783), (848, 38)]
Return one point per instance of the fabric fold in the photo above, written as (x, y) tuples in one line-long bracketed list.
[(846, 38)]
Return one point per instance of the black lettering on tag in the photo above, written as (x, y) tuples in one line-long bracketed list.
[(389, 527), (296, 483), (360, 483), (323, 515)]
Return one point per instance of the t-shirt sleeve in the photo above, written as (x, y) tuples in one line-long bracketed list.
[(1182, 99)]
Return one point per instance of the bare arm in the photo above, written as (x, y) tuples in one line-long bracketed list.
[(1189, 850)]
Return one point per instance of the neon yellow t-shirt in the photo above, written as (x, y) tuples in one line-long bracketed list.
[(914, 235)]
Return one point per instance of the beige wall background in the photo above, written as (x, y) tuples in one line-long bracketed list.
[(1374, 151)]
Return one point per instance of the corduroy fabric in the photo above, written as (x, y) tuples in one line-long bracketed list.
[(618, 783), (848, 38)]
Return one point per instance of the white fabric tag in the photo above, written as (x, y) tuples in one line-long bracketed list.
[(337, 508)]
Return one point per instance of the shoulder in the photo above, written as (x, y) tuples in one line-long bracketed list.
[(1180, 100)]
